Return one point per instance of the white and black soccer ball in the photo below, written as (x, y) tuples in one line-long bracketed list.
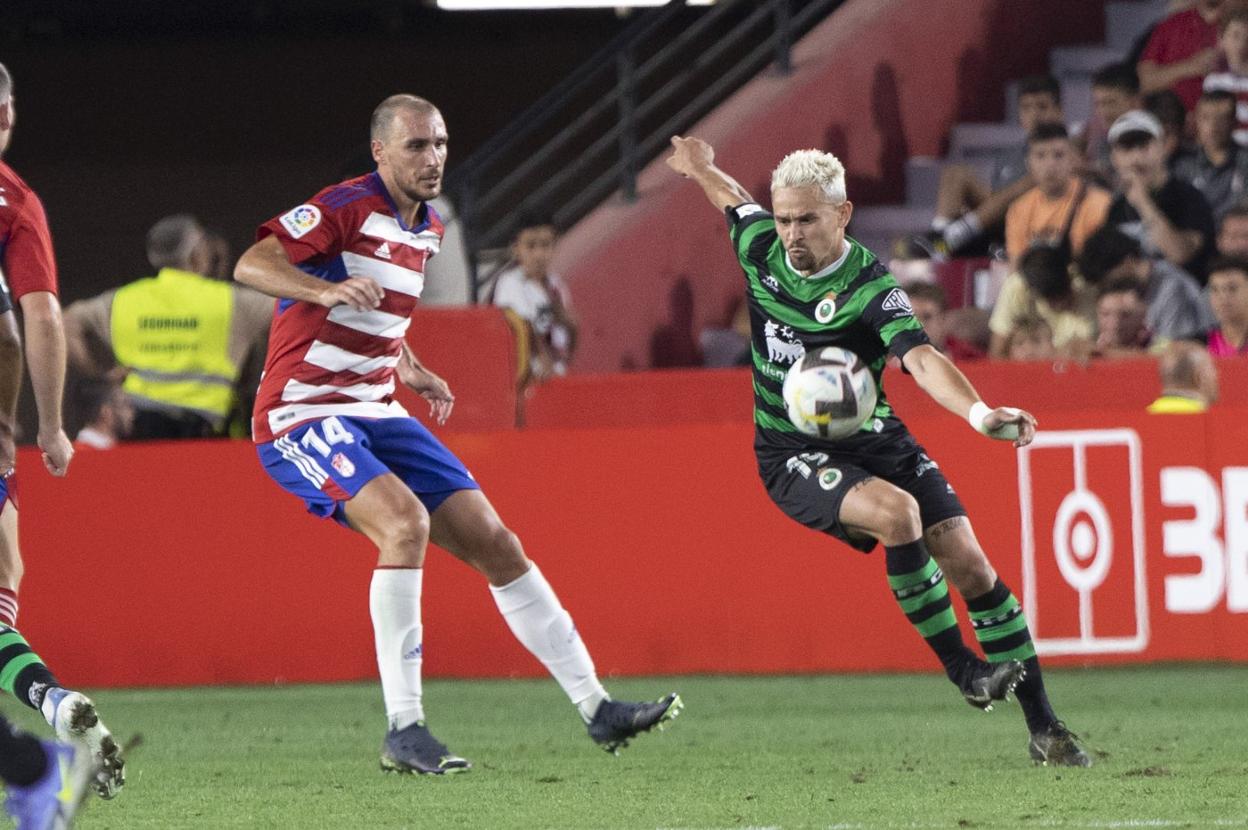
[(829, 393)]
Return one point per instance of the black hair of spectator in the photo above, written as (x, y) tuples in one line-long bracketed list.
[(1229, 263), (1122, 285), (1238, 211), (1118, 76), (91, 396), (917, 290), (1168, 107), (532, 220), (1218, 96), (1046, 268), (1036, 84), (1048, 131), (1104, 251)]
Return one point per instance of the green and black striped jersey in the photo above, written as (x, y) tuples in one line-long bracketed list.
[(854, 303)]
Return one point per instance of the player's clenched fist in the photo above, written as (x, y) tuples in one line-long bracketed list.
[(57, 451), (360, 293), (690, 155)]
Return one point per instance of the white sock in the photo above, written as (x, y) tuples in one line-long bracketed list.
[(394, 603), (533, 612)]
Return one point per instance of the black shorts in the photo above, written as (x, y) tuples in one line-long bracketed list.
[(809, 483)]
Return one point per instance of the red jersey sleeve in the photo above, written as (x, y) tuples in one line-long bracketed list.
[(307, 232), (29, 264)]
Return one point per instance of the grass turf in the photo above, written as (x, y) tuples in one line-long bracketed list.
[(895, 751)]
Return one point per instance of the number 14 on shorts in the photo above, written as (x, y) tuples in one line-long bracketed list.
[(334, 432)]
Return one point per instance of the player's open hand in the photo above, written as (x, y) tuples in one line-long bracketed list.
[(57, 451), (690, 155), (360, 293), (1006, 423)]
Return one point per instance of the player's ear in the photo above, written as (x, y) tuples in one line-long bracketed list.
[(6, 115), (847, 211), (378, 150)]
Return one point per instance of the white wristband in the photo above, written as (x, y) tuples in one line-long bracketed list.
[(979, 411)]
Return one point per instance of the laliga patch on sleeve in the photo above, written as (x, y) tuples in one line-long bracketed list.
[(302, 219), (746, 209)]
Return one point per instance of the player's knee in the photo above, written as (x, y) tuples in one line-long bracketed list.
[(408, 532), (900, 520)]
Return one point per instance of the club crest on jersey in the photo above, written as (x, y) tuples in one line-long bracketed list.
[(343, 465), (782, 344), (826, 310), (897, 301), (829, 477), (302, 219)]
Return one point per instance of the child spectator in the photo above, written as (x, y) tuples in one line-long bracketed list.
[(539, 297), (1219, 167), (1115, 92), (1043, 288), (932, 310), (1233, 232), (108, 414), (1231, 75), (1228, 293), (1121, 324), (1031, 339)]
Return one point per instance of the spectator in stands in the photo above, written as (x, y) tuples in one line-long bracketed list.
[(970, 211), (1228, 293), (1115, 92), (1060, 203), (1189, 381), (1169, 112), (1233, 232), (108, 413), (931, 308), (191, 347), (1169, 217), (1121, 319), (1231, 75), (729, 344), (1031, 339), (1176, 307), (539, 297), (1219, 167), (1182, 51), (1043, 288)]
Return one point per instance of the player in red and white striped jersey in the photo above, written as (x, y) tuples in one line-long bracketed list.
[(30, 269), (348, 267)]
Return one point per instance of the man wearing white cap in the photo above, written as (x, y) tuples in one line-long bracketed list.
[(1169, 217)]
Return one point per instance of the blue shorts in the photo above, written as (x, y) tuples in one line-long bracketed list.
[(326, 462)]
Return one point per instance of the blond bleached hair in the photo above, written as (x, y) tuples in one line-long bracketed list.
[(803, 168)]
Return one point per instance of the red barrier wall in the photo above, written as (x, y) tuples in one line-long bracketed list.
[(193, 568), (877, 82)]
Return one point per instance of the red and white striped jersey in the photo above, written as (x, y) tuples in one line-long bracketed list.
[(338, 361)]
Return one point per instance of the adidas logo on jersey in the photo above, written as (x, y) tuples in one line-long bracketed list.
[(383, 251), (897, 301)]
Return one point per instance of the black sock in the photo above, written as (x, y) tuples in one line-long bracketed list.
[(22, 673), (22, 759), (919, 587), (1002, 632)]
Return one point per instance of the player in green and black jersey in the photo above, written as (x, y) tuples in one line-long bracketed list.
[(808, 285)]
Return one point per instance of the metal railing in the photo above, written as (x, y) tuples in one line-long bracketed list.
[(591, 135)]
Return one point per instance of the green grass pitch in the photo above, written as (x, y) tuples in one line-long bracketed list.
[(897, 751)]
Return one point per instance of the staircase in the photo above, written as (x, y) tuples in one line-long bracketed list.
[(975, 144)]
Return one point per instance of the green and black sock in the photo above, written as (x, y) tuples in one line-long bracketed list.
[(22, 673), (1002, 632), (919, 586)]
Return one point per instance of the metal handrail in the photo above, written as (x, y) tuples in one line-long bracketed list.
[(595, 158)]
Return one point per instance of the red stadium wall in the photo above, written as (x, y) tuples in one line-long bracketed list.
[(194, 568), (877, 82)]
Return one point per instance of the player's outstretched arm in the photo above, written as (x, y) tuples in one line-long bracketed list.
[(938, 377), (426, 384), (45, 355), (264, 267), (695, 159)]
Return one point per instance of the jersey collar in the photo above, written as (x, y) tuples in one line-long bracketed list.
[(425, 208)]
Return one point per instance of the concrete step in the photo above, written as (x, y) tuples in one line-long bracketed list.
[(971, 141), (1082, 60), (922, 181), (877, 227), (1126, 20)]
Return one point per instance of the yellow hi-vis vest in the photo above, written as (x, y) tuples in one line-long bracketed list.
[(172, 331)]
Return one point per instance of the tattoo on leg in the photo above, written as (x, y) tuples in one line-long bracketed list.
[(941, 528), (858, 484)]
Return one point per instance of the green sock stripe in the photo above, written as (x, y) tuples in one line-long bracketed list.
[(941, 622), (1023, 652), (933, 594), (900, 581), (10, 637), (1010, 604), (11, 669), (1002, 630)]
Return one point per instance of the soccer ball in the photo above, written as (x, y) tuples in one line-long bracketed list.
[(829, 393)]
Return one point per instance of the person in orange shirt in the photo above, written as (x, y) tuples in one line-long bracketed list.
[(1058, 198)]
